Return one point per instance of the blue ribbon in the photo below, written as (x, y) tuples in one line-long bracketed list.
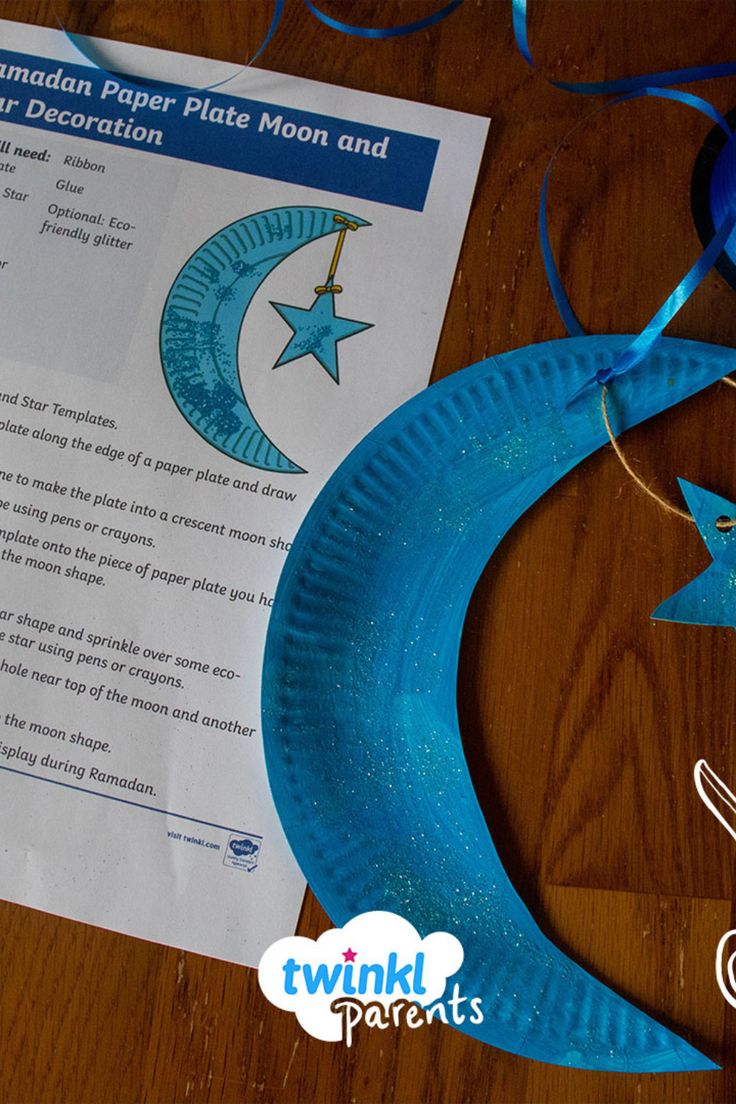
[(722, 194), (643, 344), (88, 51), (383, 32), (562, 302), (723, 185), (649, 84), (722, 190), (615, 87)]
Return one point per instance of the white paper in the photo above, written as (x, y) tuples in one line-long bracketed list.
[(127, 770)]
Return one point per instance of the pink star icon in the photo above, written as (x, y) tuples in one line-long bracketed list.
[(349, 955)]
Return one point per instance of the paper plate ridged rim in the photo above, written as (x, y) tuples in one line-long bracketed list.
[(360, 727)]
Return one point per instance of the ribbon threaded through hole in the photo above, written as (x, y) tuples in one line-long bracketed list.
[(723, 524)]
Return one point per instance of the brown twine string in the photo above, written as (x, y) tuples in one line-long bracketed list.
[(722, 523)]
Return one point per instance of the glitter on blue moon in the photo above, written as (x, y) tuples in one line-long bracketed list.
[(362, 744), (711, 598)]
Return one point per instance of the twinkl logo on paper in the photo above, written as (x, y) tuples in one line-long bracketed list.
[(375, 970)]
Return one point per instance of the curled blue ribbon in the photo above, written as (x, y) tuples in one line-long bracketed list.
[(722, 190), (521, 34), (383, 32), (625, 84), (83, 46), (650, 335), (645, 341), (723, 184)]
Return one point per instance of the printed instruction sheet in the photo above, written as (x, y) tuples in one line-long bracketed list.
[(208, 295)]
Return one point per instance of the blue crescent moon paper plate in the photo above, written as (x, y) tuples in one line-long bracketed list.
[(362, 744)]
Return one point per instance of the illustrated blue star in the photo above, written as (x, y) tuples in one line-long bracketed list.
[(317, 330), (710, 599)]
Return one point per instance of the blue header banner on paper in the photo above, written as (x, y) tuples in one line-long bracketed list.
[(281, 143)]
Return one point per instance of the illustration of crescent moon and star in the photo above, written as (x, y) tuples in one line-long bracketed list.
[(206, 346)]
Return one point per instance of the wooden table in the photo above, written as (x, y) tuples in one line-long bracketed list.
[(582, 719)]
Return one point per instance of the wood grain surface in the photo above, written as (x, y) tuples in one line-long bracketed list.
[(581, 718)]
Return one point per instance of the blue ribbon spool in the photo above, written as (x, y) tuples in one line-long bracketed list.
[(713, 188)]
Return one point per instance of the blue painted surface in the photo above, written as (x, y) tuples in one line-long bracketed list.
[(711, 598), (203, 316), (361, 735)]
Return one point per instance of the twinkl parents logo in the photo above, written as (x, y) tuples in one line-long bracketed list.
[(375, 970)]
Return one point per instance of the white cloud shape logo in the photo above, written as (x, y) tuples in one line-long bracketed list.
[(375, 957)]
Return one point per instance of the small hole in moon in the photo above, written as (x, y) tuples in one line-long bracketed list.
[(724, 523)]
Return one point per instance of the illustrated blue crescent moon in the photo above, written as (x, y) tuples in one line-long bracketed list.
[(360, 723), (202, 320)]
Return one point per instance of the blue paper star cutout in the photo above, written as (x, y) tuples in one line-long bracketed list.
[(317, 330), (710, 599)]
